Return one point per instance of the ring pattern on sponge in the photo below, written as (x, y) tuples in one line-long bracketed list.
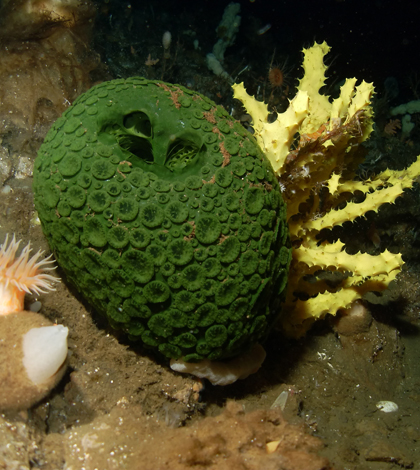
[(164, 213)]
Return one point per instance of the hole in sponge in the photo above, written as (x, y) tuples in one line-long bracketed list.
[(138, 123), (180, 154), (137, 146)]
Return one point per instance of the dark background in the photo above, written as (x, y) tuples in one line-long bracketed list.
[(371, 39)]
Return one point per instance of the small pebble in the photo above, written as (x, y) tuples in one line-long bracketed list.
[(387, 406), (35, 306)]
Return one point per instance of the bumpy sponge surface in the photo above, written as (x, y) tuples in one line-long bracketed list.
[(167, 217)]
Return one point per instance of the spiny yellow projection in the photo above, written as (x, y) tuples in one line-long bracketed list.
[(317, 181)]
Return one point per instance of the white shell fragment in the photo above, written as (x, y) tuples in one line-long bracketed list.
[(387, 406), (223, 373), (44, 352), (280, 401)]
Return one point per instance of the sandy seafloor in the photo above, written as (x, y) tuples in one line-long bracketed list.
[(118, 406)]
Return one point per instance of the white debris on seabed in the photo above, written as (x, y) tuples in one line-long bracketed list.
[(280, 401), (24, 168), (387, 406)]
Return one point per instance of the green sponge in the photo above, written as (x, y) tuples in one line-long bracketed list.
[(165, 214)]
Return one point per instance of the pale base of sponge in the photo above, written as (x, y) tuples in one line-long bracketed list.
[(223, 373), (33, 359), (353, 320)]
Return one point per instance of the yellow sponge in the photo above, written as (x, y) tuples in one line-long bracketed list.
[(317, 182), (274, 138)]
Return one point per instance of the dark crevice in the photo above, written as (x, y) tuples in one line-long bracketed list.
[(137, 146), (138, 123)]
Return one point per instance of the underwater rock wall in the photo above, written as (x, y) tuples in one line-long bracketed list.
[(45, 63)]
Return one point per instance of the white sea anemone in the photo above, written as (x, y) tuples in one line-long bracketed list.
[(22, 274)]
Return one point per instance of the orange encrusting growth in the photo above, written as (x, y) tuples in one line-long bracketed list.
[(22, 274)]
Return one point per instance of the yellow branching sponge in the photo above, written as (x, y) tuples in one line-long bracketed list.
[(316, 176)]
